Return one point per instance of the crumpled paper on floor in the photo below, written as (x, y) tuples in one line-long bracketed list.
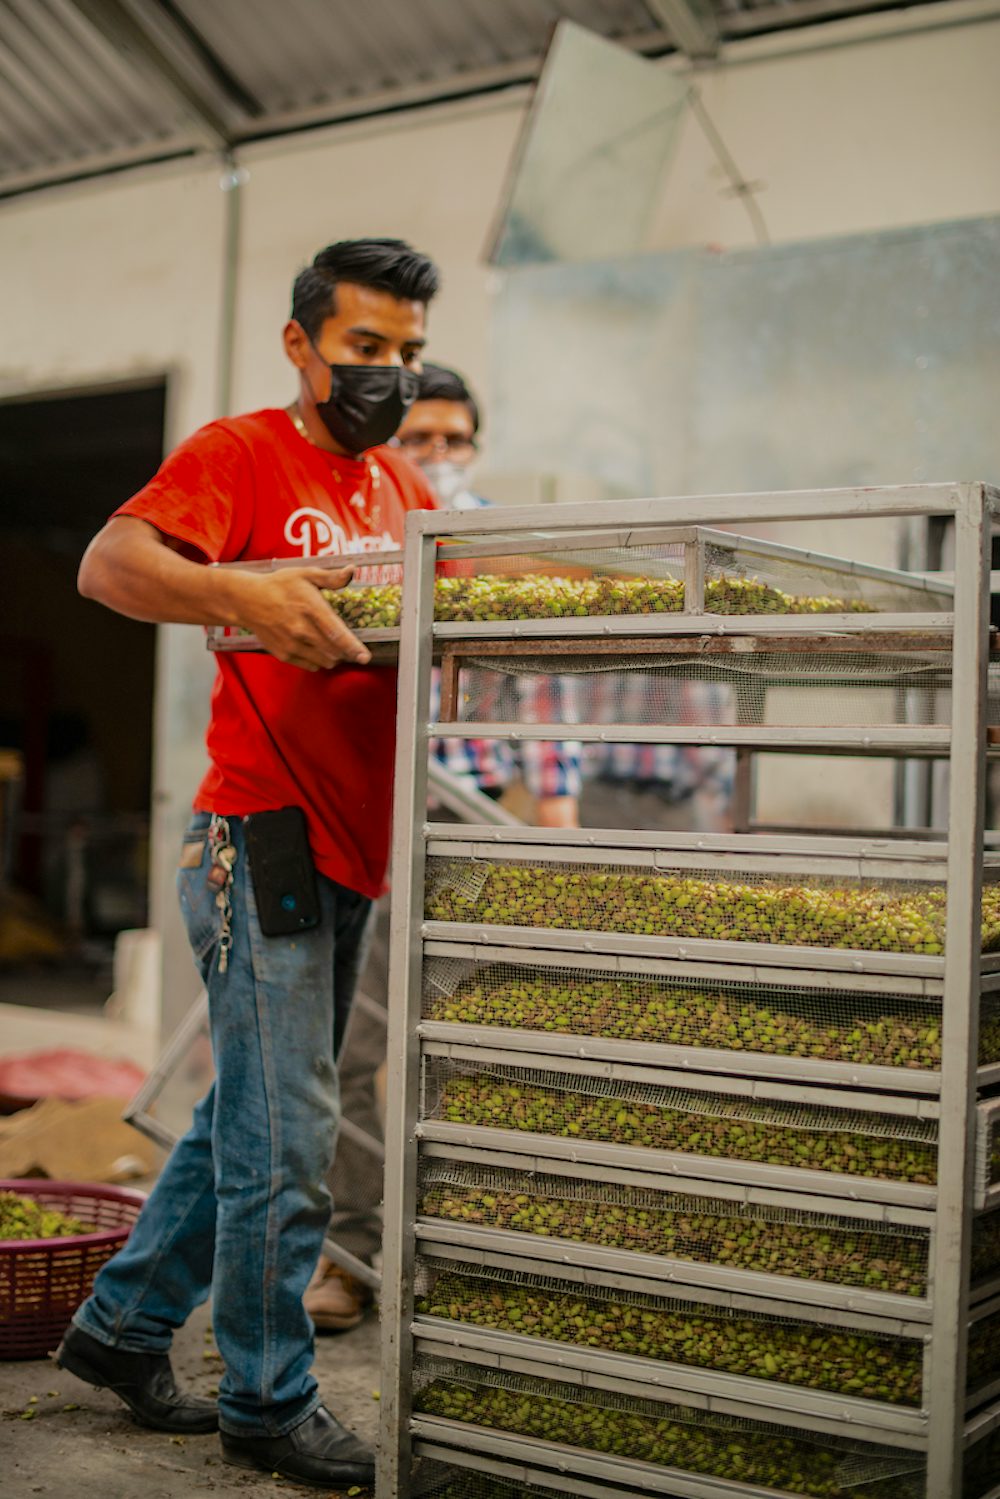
[(85, 1142)]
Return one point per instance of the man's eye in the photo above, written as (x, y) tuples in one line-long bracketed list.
[(411, 358), (367, 350)]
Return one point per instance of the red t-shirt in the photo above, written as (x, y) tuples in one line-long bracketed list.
[(251, 487)]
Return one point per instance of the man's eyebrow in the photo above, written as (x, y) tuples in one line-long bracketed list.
[(409, 343)]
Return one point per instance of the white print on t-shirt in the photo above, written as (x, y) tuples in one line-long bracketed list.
[(318, 536)]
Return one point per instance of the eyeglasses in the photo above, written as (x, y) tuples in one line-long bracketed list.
[(419, 444)]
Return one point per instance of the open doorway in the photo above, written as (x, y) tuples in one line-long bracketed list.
[(76, 694)]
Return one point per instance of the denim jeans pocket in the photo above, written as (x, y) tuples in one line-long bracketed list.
[(201, 915)]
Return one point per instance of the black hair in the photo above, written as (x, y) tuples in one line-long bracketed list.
[(439, 384), (383, 264)]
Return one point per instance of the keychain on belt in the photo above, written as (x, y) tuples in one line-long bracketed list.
[(220, 879)]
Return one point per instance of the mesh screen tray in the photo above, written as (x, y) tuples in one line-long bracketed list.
[(719, 685), (769, 1020), (983, 1359), (439, 1480), (690, 570), (686, 570), (880, 1147), (865, 1365), (780, 1243), (751, 1452), (811, 911), (981, 1468)]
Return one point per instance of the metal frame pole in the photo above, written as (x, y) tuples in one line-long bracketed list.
[(743, 791), (703, 511), (960, 1031), (694, 576), (408, 858), (136, 1111)]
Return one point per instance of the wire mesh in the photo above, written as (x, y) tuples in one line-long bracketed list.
[(765, 1019), (551, 596), (740, 576), (886, 1147), (862, 915), (747, 1237), (493, 598), (660, 561), (981, 1467), (986, 1245), (465, 1483), (436, 1480), (644, 579), (816, 585), (786, 688), (865, 1365), (373, 606), (987, 1169), (983, 1358), (750, 1452)]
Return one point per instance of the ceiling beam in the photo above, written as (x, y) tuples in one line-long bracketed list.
[(146, 34), (691, 23)]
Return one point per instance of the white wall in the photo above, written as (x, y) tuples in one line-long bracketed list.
[(863, 135), (866, 134), (115, 281), (433, 180), (122, 276)]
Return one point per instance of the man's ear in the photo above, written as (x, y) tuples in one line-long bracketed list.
[(296, 341)]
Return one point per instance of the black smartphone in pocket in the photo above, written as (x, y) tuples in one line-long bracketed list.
[(282, 870)]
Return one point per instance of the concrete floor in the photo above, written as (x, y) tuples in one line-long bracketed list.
[(96, 1451)]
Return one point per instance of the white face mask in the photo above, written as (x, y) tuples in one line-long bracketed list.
[(449, 482)]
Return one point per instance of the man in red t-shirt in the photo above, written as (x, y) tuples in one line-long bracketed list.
[(241, 1207)]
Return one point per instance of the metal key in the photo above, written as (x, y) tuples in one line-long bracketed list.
[(220, 879), (221, 873)]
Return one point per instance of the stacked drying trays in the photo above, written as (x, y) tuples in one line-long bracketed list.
[(692, 1152)]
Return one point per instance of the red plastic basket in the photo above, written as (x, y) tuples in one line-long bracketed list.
[(43, 1281)]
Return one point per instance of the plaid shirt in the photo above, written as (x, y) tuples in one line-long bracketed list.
[(547, 769), (681, 770)]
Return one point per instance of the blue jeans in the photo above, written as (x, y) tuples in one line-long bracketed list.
[(241, 1206)]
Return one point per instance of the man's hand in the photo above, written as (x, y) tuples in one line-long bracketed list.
[(132, 567), (290, 617)]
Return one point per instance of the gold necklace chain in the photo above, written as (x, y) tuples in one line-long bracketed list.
[(299, 424), (374, 472)]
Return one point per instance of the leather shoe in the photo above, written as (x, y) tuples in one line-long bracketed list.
[(318, 1451), (145, 1381)]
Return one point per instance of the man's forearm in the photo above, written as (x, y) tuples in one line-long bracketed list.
[(132, 569), (135, 570)]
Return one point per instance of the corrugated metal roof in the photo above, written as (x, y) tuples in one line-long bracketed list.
[(67, 97), (304, 52), (91, 85)]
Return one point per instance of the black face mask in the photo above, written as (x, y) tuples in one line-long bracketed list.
[(367, 403)]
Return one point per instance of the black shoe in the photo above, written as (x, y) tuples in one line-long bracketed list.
[(145, 1381), (319, 1451)]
